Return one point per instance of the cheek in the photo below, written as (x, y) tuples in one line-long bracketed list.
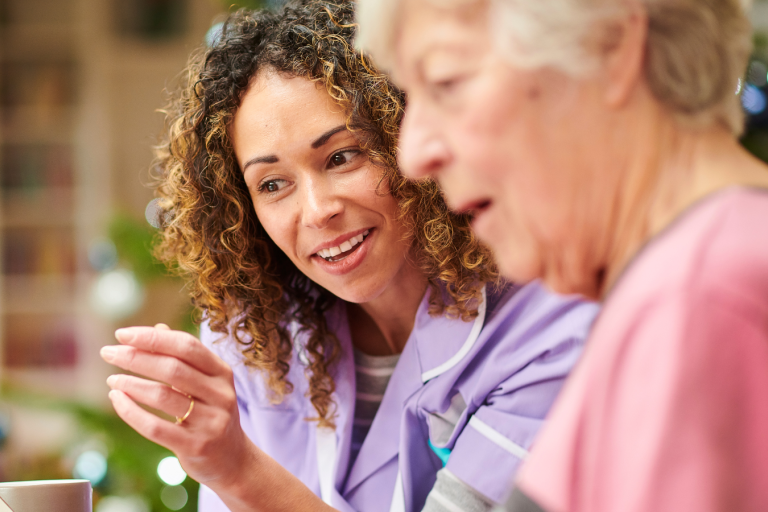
[(279, 226), (493, 132)]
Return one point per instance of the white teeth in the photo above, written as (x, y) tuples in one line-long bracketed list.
[(344, 247)]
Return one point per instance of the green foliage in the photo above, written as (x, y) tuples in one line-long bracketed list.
[(760, 44), (756, 142), (131, 461), (133, 241)]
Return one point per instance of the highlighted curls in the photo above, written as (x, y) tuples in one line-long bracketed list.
[(244, 285)]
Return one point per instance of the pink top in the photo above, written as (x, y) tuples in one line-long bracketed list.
[(668, 409)]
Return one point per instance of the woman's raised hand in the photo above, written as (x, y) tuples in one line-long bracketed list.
[(187, 379)]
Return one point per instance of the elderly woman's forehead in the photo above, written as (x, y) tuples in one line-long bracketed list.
[(431, 12), (428, 22)]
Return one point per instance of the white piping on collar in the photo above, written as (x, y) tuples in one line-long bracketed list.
[(326, 462), (398, 496), (464, 350)]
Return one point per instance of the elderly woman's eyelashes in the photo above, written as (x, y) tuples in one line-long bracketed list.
[(446, 87)]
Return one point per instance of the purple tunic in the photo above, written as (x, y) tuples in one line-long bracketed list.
[(478, 389)]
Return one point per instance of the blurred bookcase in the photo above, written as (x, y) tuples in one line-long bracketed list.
[(40, 296), (80, 82)]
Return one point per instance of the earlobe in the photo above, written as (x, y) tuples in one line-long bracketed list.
[(624, 55)]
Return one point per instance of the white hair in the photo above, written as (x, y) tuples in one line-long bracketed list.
[(696, 49)]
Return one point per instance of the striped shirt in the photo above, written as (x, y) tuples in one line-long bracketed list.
[(372, 374)]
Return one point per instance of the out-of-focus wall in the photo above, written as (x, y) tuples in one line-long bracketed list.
[(80, 85)]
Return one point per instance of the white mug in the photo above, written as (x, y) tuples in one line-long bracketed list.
[(46, 496)]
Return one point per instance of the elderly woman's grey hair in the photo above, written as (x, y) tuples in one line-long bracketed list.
[(697, 50)]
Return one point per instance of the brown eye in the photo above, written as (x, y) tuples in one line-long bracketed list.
[(271, 186), (338, 159)]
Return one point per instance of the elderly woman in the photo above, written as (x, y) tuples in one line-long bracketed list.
[(359, 351), (595, 144)]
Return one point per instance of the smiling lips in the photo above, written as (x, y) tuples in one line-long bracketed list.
[(342, 250)]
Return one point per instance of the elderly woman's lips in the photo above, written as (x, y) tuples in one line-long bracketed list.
[(474, 207), (478, 215)]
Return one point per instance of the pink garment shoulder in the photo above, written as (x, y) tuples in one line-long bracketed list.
[(668, 408)]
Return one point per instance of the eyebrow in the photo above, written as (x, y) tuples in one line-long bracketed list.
[(324, 138), (320, 141), (271, 159)]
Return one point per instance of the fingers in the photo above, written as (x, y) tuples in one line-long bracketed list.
[(154, 394), (155, 429), (169, 370), (162, 340)]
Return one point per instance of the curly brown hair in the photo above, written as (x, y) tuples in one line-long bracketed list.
[(244, 285)]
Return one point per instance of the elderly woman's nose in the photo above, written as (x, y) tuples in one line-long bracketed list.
[(421, 152), (320, 205)]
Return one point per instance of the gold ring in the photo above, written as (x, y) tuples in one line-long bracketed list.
[(179, 421)]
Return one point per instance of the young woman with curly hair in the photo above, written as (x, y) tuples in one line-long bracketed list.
[(358, 350)]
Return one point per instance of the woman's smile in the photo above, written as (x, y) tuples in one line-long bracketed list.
[(316, 192), (346, 256)]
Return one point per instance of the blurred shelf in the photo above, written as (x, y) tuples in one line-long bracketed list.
[(38, 340), (53, 381), (36, 294), (37, 207), (47, 134), (33, 124), (51, 41)]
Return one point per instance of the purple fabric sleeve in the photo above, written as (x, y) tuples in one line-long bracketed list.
[(503, 429)]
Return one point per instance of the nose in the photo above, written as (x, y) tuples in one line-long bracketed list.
[(320, 203), (422, 151)]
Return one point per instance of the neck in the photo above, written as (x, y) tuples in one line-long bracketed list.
[(382, 326), (672, 169)]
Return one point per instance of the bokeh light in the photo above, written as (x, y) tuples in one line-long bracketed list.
[(753, 100), (102, 254), (174, 496), (214, 34), (117, 294), (122, 504), (90, 465), (170, 471)]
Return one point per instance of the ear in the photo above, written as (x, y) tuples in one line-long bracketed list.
[(623, 55)]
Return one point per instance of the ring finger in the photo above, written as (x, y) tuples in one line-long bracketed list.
[(151, 393)]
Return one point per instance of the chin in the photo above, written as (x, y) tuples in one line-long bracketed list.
[(514, 261), (517, 272), (356, 294)]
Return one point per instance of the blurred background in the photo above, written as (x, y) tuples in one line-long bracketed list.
[(81, 82), (80, 85)]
